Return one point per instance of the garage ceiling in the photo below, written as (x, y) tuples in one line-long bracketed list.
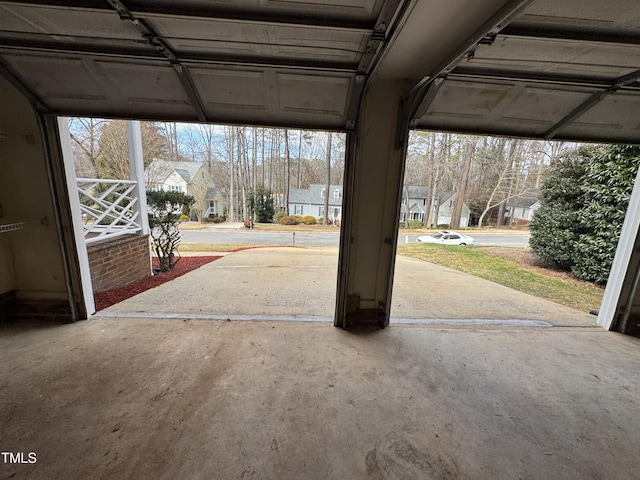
[(541, 68)]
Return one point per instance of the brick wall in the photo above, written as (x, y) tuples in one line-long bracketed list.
[(118, 262)]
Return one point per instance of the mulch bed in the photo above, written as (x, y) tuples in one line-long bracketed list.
[(185, 265)]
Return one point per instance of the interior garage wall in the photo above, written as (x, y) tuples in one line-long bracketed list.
[(31, 262)]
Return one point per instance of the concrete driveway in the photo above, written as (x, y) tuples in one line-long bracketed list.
[(300, 284)]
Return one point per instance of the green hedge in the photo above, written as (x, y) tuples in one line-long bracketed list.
[(584, 199)]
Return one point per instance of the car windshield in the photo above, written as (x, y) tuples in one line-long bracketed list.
[(437, 235)]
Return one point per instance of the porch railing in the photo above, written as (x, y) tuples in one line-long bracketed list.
[(210, 211), (108, 208)]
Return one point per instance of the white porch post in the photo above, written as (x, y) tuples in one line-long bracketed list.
[(76, 214), (136, 163)]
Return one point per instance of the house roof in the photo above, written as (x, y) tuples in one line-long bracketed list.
[(415, 191), (212, 192), (159, 170), (313, 195), (526, 200)]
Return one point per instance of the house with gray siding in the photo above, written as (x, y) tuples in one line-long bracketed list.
[(414, 205), (520, 210), (310, 201)]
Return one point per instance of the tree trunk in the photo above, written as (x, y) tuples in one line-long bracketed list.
[(287, 173), (469, 148), (430, 180), (327, 185), (510, 156), (242, 164), (299, 160), (405, 191), (232, 196)]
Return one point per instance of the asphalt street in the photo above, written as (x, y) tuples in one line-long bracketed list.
[(315, 239)]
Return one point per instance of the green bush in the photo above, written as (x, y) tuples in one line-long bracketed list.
[(289, 220), (309, 220), (583, 204), (416, 224), (607, 186), (184, 218), (261, 204), (215, 219), (298, 218), (278, 216), (555, 227), (164, 216)]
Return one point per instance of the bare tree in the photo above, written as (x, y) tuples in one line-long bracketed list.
[(113, 157), (469, 148), (287, 182), (327, 184), (169, 131), (85, 135), (432, 180)]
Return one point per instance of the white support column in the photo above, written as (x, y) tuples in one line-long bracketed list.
[(134, 137), (76, 214), (372, 194), (622, 286)]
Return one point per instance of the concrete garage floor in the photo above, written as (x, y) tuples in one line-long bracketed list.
[(139, 392), (200, 399)]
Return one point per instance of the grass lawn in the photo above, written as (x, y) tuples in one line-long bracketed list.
[(512, 267)]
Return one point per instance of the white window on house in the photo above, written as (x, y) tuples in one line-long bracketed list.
[(321, 210), (322, 193), (336, 193), (298, 210)]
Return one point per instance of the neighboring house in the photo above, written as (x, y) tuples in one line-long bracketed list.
[(310, 201), (520, 210), (414, 204), (188, 177)]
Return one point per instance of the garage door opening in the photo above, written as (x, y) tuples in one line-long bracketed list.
[(504, 230), (249, 187)]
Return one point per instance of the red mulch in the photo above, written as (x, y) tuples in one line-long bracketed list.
[(185, 264)]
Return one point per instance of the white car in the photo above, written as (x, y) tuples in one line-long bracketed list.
[(446, 238)]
